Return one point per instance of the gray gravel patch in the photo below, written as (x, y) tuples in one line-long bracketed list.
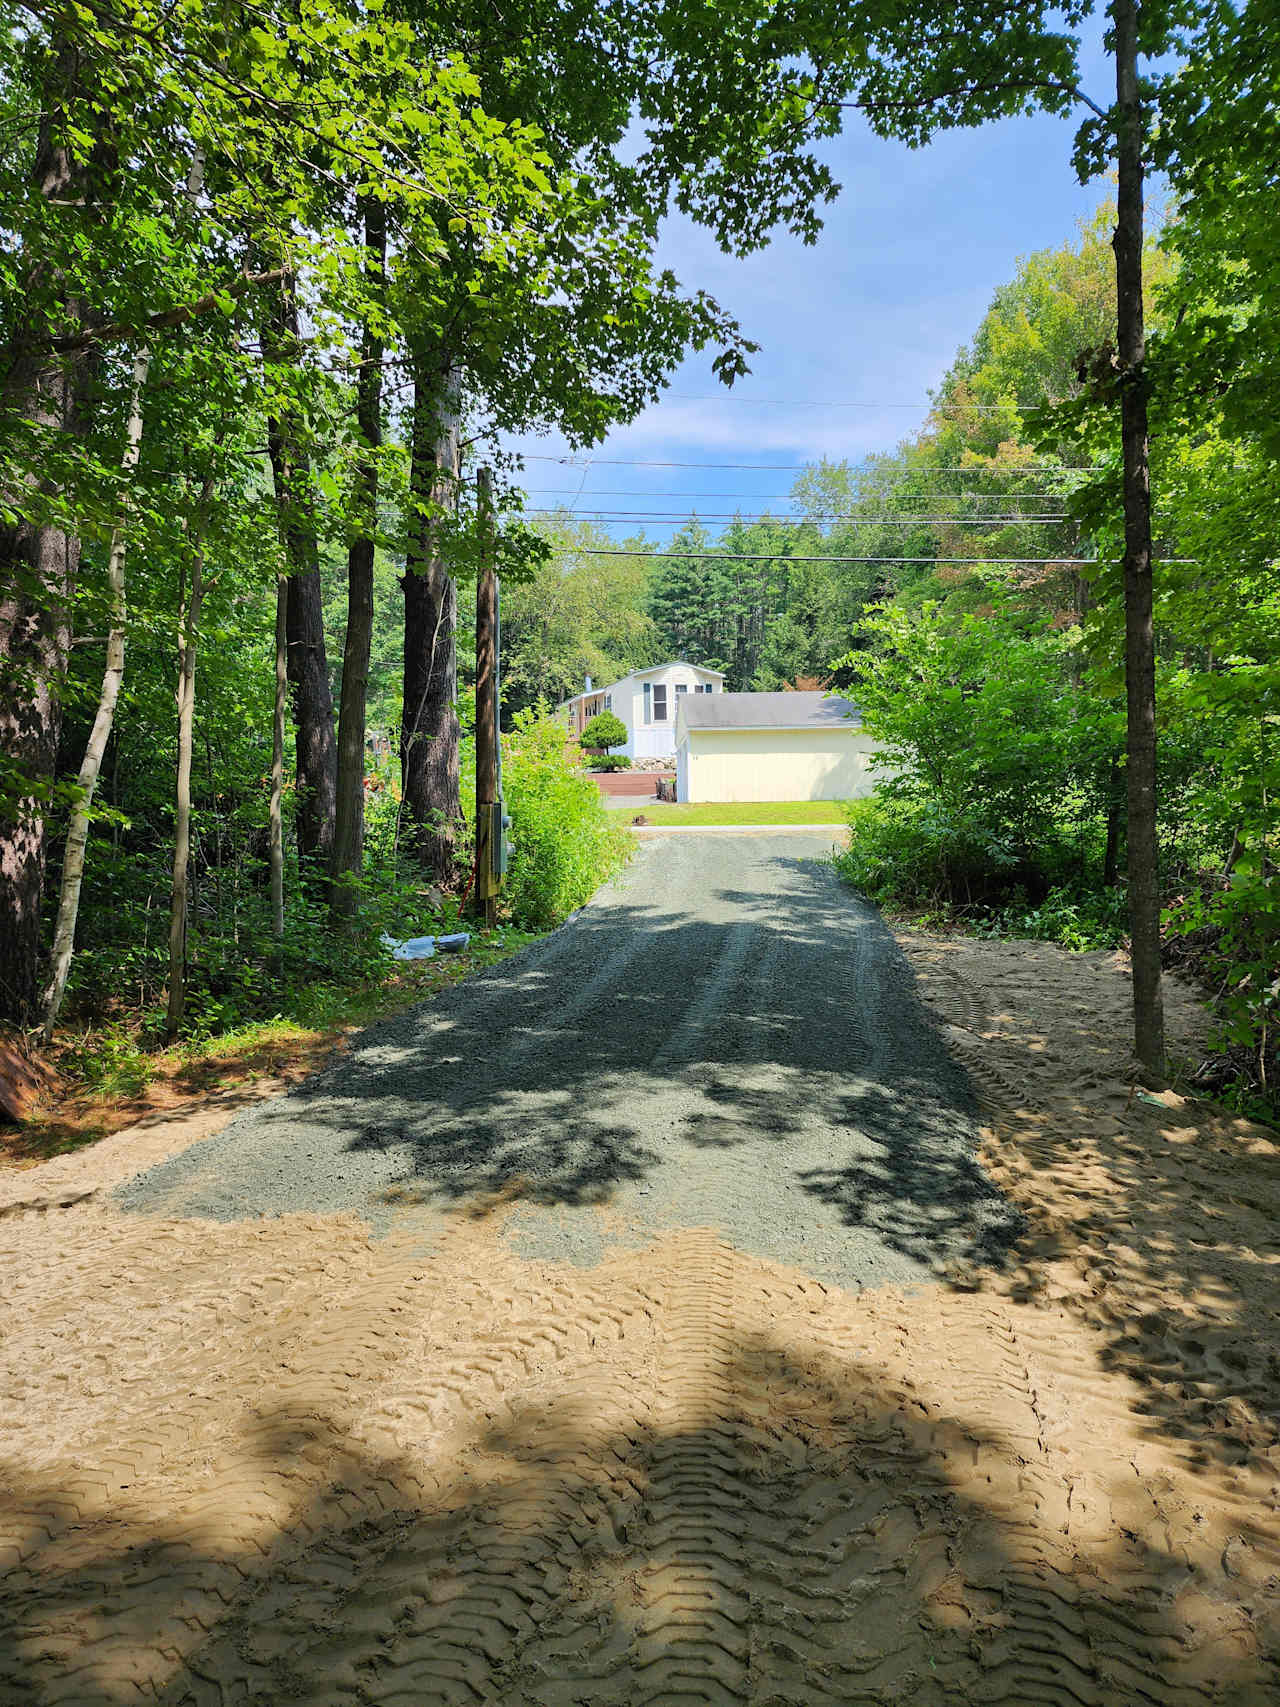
[(724, 1037)]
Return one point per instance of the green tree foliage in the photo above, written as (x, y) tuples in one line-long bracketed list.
[(994, 784), (603, 731), (206, 186), (563, 840), (577, 615)]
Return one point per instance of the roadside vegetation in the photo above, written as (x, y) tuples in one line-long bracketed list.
[(258, 1005), (107, 1076)]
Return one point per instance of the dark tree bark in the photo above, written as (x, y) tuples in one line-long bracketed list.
[(429, 729), (39, 563), (317, 753), (1140, 661), (348, 838)]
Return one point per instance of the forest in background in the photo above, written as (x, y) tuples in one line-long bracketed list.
[(275, 284)]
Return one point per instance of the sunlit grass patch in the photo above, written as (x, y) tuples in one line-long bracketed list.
[(743, 812)]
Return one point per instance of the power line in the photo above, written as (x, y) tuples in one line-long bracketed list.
[(671, 518), (840, 557), (817, 403), (763, 497), (805, 467)]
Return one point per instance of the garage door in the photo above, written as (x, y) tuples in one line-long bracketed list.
[(779, 764)]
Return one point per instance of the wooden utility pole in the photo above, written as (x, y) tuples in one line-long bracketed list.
[(489, 813)]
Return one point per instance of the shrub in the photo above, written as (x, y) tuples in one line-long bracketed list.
[(1230, 936), (1078, 920), (604, 731), (564, 843), (997, 772), (609, 762), (919, 853)]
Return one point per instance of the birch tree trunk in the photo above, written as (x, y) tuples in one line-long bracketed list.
[(1140, 656), (429, 732), (347, 863), (91, 765), (189, 631)]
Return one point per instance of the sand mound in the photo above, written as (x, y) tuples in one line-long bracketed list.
[(277, 1461)]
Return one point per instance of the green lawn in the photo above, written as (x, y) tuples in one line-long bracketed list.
[(743, 812)]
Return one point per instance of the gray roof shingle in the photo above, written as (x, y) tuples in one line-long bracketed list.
[(768, 711)]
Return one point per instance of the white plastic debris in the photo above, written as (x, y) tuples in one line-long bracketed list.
[(453, 944), (412, 948)]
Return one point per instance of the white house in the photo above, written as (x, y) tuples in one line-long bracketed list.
[(771, 746), (647, 702)]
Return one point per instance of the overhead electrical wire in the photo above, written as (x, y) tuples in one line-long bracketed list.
[(818, 403), (842, 557), (762, 497), (615, 518), (804, 467)]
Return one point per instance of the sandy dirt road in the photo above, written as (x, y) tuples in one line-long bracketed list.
[(697, 1391)]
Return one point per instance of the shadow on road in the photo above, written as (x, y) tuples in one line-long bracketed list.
[(677, 1034)]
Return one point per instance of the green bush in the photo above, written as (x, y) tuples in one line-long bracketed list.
[(1233, 931), (564, 843), (910, 855), (1078, 920), (997, 771), (604, 731), (917, 853), (609, 762)]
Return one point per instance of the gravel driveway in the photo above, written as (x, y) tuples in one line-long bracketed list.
[(724, 1038)]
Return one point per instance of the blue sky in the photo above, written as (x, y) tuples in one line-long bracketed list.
[(854, 330)]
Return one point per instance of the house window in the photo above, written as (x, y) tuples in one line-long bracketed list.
[(681, 687), (707, 687), (659, 702), (608, 702)]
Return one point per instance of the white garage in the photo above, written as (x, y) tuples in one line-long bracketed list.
[(771, 746)]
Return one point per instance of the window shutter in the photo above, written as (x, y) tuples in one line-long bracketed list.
[(648, 702)]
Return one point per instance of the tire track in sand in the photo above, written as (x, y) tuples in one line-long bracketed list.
[(693, 1638)]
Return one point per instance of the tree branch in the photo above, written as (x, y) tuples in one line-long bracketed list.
[(70, 342), (971, 89)]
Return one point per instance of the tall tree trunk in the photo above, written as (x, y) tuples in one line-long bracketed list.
[(39, 565), (276, 809), (317, 755), (1140, 658), (39, 562), (348, 838), (189, 620), (64, 935), (429, 731)]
